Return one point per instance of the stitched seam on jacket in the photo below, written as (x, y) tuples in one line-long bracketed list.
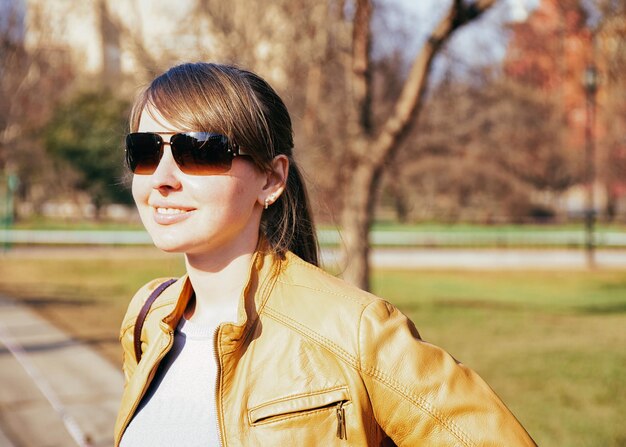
[(329, 292), (309, 266), (303, 330), (419, 402)]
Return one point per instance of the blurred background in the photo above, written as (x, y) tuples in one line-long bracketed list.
[(501, 135), (466, 160)]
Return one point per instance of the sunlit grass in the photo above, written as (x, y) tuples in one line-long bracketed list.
[(552, 344)]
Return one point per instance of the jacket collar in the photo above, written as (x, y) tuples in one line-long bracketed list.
[(262, 275)]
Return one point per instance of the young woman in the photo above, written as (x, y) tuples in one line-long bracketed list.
[(256, 345)]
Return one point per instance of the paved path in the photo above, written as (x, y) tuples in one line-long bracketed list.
[(55, 391), (397, 258), (485, 258), (496, 236)]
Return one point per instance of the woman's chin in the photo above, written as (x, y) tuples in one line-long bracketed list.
[(169, 249), (168, 246)]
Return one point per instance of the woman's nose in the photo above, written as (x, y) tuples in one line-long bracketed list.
[(166, 175)]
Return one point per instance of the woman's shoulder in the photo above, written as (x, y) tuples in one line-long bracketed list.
[(308, 294), (306, 279), (139, 298), (328, 310)]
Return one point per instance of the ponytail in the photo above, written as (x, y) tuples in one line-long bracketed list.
[(288, 223)]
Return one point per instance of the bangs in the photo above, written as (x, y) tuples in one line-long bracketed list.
[(209, 98)]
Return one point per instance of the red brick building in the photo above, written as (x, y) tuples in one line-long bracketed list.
[(550, 51)]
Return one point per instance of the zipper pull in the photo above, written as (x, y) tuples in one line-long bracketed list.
[(341, 422)]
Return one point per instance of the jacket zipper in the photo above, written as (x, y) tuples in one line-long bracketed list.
[(341, 422), (147, 382), (217, 382)]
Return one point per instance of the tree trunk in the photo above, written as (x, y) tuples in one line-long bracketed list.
[(370, 154), (356, 219), (312, 98), (398, 194)]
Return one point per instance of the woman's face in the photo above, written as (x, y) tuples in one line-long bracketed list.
[(199, 214)]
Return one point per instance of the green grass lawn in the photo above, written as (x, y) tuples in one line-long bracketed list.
[(42, 223), (552, 344)]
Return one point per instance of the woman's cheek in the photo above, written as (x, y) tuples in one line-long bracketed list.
[(138, 189)]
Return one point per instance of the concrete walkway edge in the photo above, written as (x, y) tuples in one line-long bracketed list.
[(56, 390)]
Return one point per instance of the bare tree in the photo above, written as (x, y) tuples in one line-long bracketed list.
[(507, 138), (369, 149)]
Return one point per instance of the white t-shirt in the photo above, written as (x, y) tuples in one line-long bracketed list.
[(179, 407)]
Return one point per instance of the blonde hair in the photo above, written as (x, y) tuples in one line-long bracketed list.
[(241, 105)]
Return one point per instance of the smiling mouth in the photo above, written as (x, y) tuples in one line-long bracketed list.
[(167, 216), (170, 210)]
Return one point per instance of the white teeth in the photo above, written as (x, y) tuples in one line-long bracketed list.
[(170, 211)]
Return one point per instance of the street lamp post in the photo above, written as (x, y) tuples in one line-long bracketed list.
[(590, 82)]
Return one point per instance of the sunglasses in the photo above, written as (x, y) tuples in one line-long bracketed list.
[(195, 153)]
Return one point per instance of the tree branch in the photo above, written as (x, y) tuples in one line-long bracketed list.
[(408, 104), (361, 69)]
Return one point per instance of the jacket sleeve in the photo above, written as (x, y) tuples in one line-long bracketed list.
[(421, 395)]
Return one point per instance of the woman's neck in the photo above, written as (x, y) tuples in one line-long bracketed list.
[(218, 285)]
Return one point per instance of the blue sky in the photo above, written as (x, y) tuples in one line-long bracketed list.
[(7, 10), (409, 21)]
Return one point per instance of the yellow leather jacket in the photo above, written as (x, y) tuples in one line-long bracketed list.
[(313, 361)]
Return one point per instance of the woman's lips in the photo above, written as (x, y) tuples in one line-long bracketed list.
[(168, 216)]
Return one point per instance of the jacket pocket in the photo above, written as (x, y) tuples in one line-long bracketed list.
[(300, 405)]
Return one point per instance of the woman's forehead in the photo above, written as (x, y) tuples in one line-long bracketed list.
[(189, 117), (151, 120)]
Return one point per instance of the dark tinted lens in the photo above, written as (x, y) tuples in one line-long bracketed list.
[(143, 152), (202, 153)]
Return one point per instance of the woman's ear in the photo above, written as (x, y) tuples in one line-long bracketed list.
[(276, 181)]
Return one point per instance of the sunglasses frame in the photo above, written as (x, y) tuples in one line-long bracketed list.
[(233, 150)]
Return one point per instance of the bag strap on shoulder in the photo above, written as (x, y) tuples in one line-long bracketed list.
[(143, 313)]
